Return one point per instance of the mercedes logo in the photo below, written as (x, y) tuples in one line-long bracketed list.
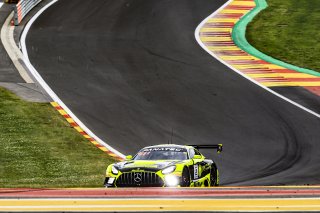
[(137, 177)]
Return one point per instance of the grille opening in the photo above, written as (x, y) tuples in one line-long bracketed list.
[(141, 179)]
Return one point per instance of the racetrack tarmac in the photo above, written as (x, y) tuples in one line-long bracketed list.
[(132, 71)]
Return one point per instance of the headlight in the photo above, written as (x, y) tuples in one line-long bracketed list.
[(171, 180), (114, 170), (168, 170)]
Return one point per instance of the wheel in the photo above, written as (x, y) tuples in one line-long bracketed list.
[(214, 176), (105, 182), (185, 178)]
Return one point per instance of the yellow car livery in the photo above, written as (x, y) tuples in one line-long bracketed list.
[(166, 165)]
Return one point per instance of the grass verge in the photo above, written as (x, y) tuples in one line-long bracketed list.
[(38, 148), (288, 31)]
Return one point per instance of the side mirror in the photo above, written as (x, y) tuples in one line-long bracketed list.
[(129, 157), (197, 157)]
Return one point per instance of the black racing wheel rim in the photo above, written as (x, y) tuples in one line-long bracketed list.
[(213, 177), (185, 178)]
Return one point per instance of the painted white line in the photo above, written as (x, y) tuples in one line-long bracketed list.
[(46, 87), (37, 76), (197, 36), (1, 3)]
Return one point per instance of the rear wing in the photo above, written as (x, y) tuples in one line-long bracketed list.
[(218, 147)]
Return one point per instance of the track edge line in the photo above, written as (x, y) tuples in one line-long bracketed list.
[(197, 37), (46, 87)]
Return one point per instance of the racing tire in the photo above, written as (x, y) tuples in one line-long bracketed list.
[(185, 178), (214, 176)]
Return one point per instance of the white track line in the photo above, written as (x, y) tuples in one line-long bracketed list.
[(197, 36), (37, 76), (40, 80)]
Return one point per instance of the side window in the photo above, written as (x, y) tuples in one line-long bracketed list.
[(192, 152), (197, 152)]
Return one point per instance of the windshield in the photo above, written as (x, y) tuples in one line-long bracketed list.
[(162, 153)]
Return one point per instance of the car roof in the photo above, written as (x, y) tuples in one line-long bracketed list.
[(168, 145)]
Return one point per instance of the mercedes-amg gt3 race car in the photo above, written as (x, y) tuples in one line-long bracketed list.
[(166, 165)]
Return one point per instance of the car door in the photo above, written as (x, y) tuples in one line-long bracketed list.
[(196, 169)]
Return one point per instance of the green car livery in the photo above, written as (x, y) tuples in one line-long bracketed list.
[(166, 165)]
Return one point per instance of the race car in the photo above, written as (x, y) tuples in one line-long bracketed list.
[(166, 165)]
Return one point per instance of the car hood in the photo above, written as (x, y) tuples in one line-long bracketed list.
[(144, 164)]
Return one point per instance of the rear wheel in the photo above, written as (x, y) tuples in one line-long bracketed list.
[(185, 178), (214, 176)]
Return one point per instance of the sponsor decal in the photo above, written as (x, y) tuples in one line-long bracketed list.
[(172, 149), (196, 171)]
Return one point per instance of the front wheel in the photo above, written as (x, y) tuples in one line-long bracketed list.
[(214, 176), (185, 178)]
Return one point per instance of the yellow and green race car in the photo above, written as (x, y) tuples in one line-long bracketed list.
[(166, 165)]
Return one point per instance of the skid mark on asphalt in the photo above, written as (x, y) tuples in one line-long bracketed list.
[(216, 34)]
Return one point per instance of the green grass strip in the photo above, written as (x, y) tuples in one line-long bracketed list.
[(267, 43), (38, 148)]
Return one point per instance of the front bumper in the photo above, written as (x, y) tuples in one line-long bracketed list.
[(142, 179)]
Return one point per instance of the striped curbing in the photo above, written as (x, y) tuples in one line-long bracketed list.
[(82, 132), (155, 192), (22, 8), (217, 199), (61, 107), (160, 205), (216, 35)]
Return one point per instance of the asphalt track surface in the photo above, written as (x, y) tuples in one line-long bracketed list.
[(132, 71)]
